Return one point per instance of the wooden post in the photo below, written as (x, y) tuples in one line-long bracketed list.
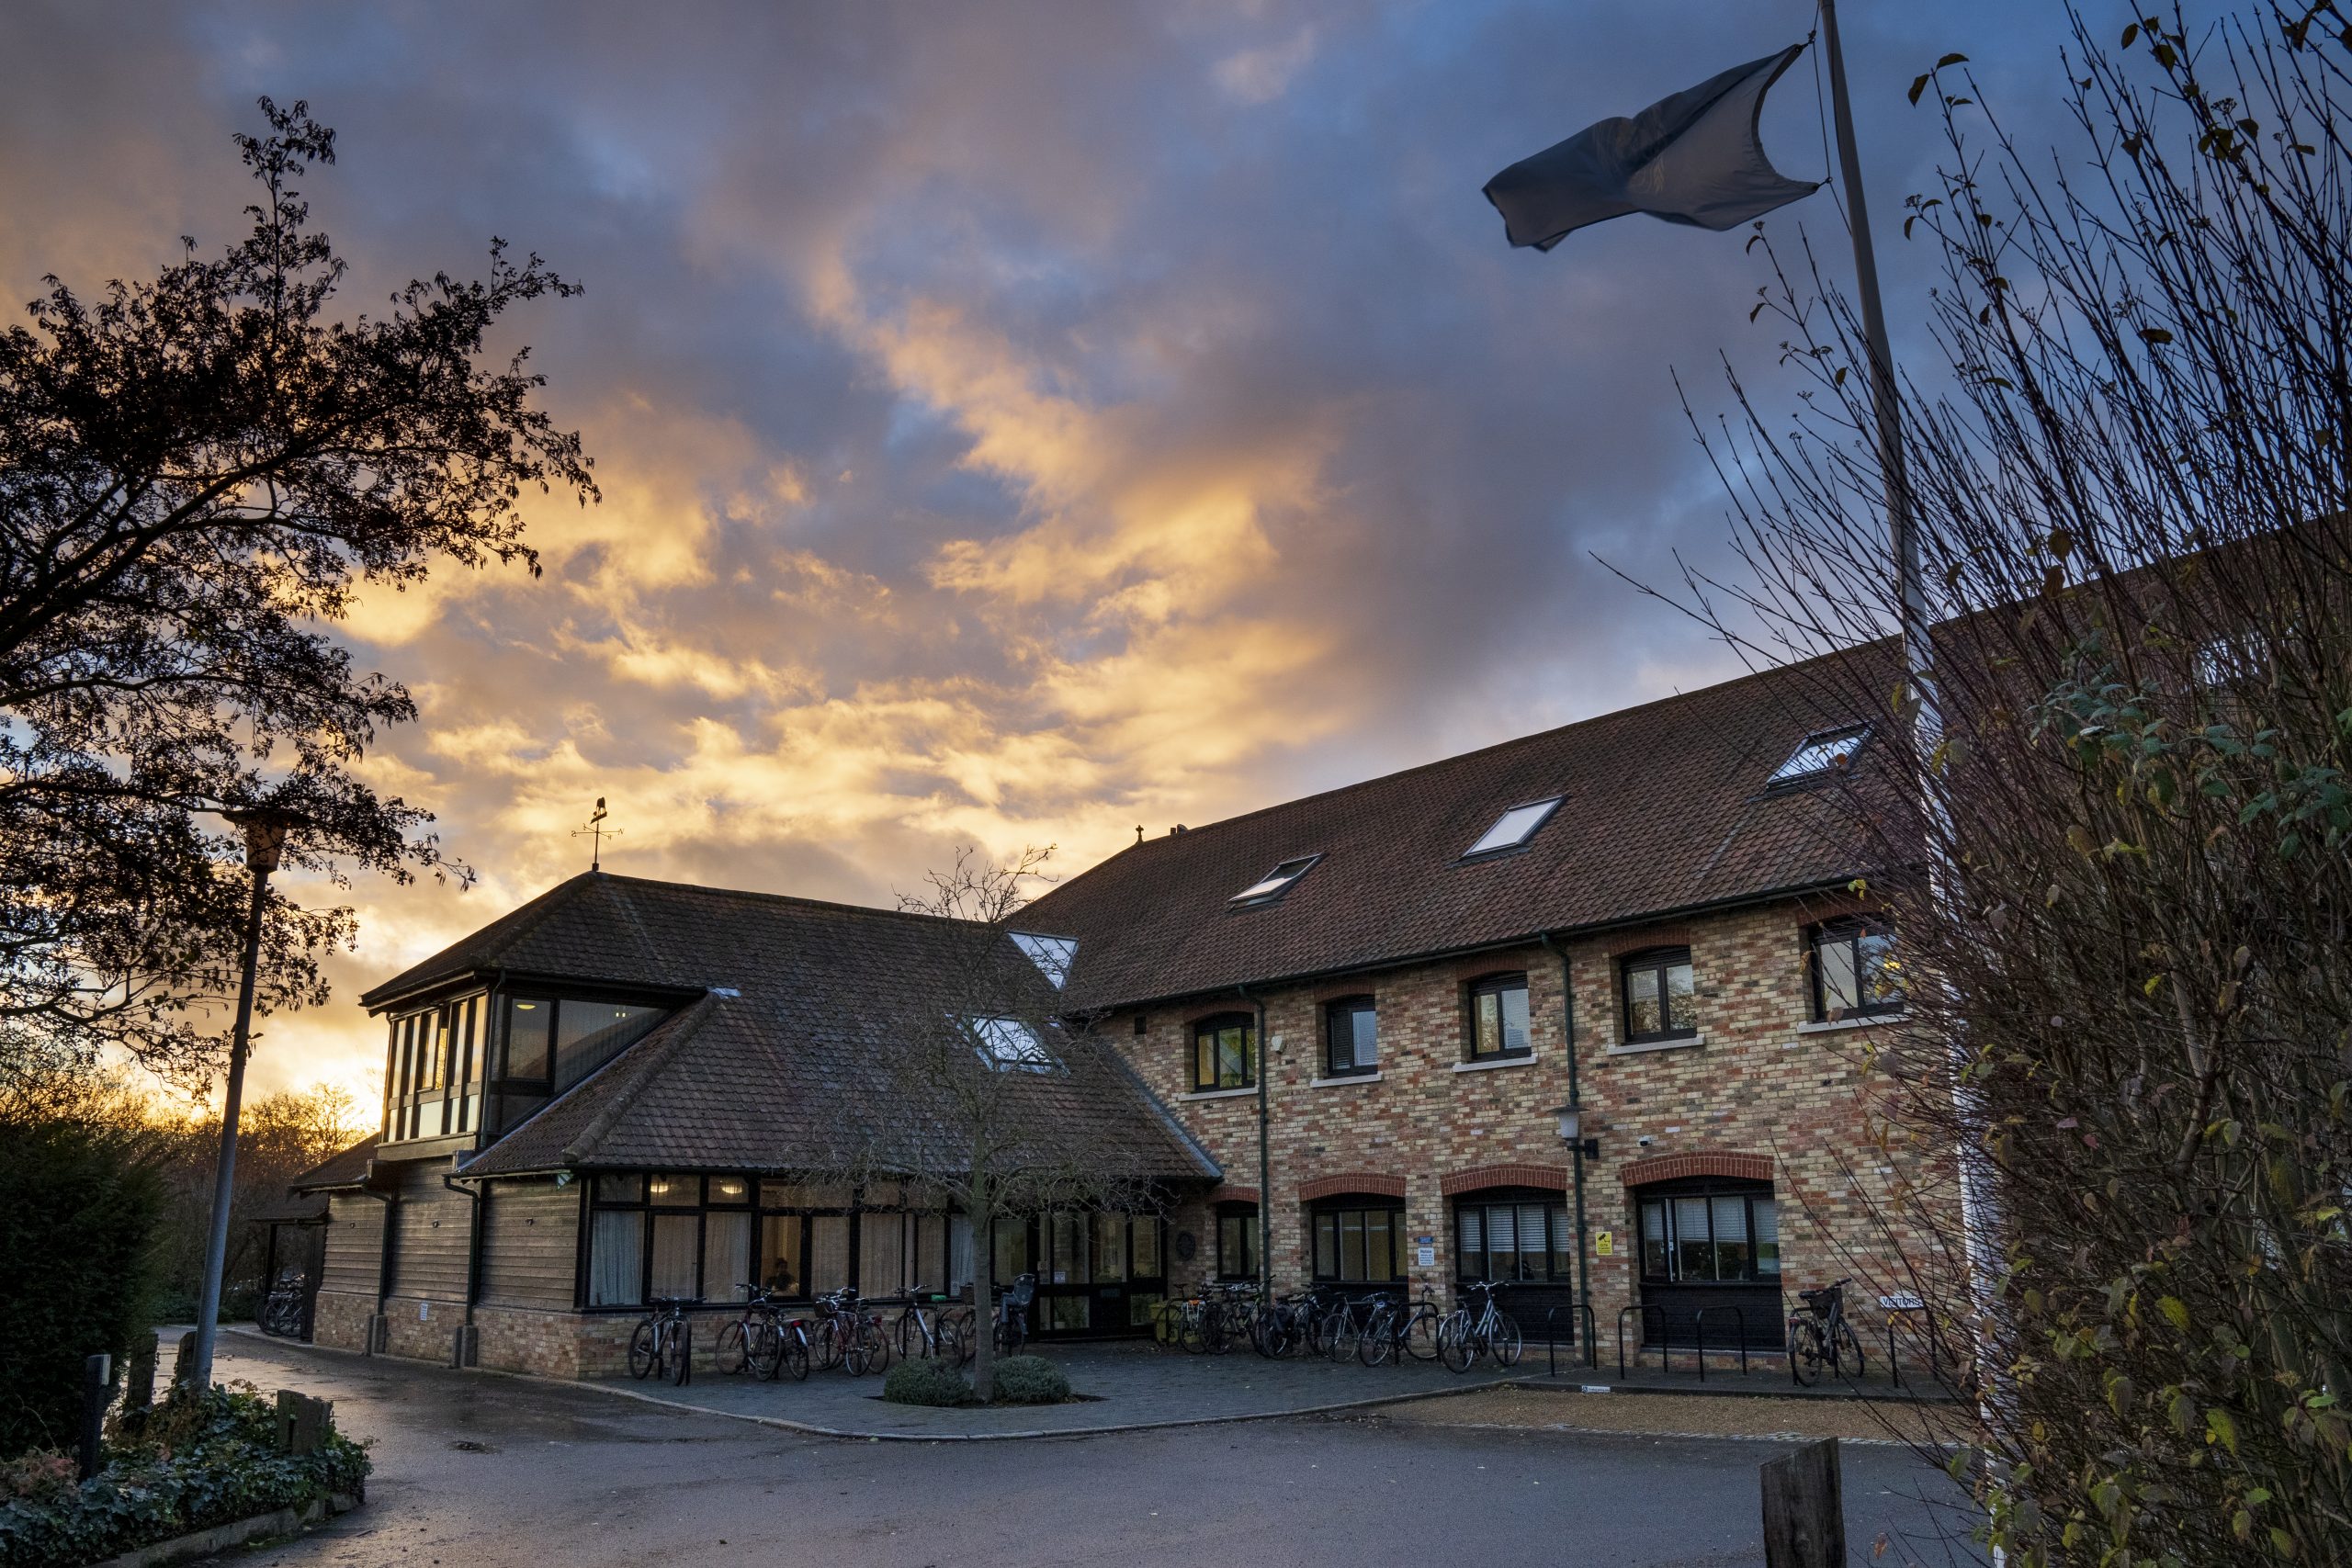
[(1804, 1510), (139, 1384), (302, 1421), (184, 1363), (98, 1374)]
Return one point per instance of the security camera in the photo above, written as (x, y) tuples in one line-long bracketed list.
[(1645, 1141)]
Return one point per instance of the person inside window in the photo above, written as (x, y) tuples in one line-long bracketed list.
[(780, 1282)]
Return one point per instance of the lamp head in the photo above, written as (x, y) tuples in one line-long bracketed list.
[(266, 830)]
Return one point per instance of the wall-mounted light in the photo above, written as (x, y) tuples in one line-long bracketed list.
[(1572, 1130)]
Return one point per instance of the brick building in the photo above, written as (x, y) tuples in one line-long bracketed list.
[(1337, 1032)]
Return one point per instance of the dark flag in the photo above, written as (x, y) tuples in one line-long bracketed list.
[(1694, 158)]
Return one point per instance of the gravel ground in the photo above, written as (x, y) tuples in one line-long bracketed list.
[(1679, 1414)]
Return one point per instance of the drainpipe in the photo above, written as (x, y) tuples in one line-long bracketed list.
[(1265, 1156), (1568, 1043), (383, 1259), (473, 1263)]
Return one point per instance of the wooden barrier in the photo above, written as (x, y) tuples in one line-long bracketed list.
[(1804, 1510)]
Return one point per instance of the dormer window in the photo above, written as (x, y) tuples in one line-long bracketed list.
[(1513, 827), (1275, 883), (1825, 752), (1010, 1046), (1052, 955)]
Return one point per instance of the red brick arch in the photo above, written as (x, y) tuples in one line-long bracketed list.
[(1673, 1168), (1228, 1193), (1351, 1181), (1554, 1178)]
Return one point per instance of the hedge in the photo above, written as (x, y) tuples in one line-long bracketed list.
[(1029, 1380), (198, 1463), (927, 1381), (78, 1203)]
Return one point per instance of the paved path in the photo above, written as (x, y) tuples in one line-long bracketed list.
[(500, 1473)]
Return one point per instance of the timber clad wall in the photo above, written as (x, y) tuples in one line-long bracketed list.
[(433, 1236), (1756, 1096), (355, 1246), (530, 1242)]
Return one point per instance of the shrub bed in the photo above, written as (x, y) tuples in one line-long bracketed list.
[(1030, 1379), (189, 1465), (926, 1383)]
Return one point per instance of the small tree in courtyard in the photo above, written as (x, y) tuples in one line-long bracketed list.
[(980, 1076), (2123, 881)]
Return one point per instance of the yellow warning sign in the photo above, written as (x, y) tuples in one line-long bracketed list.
[(1604, 1243)]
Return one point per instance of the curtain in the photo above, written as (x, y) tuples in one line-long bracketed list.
[(828, 1253), (616, 1258), (881, 1254), (675, 1236), (726, 1255)]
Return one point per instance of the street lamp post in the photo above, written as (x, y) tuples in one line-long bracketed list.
[(1582, 1148), (266, 830)]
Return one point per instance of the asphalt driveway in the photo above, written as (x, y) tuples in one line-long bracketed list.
[(491, 1472)]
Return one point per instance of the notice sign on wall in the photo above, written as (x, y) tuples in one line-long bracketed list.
[(1425, 1251), (1604, 1244)]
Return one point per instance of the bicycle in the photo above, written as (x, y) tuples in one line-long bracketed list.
[(752, 1343), (848, 1337), (924, 1335), (1013, 1315), (282, 1313), (1467, 1335), (1343, 1330), (1400, 1330), (1818, 1333), (664, 1342)]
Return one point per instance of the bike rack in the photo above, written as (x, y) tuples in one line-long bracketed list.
[(1644, 1308), (1739, 1328), (1552, 1342), (1894, 1365)]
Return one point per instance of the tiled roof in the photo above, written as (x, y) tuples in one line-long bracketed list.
[(1665, 811), (800, 1068), (348, 1169)]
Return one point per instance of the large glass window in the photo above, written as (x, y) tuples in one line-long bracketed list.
[(1660, 999), (1505, 1236), (1225, 1053), (1855, 974), (589, 1034), (433, 1083), (1707, 1230), (1499, 1017), (616, 1257), (881, 1254), (1360, 1239), (1351, 1037), (530, 1024), (1237, 1241)]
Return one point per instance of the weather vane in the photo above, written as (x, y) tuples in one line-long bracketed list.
[(596, 833)]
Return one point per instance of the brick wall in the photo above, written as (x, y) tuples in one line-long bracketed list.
[(340, 1320), (1756, 1095)]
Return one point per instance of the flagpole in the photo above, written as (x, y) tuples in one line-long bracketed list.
[(1923, 720)]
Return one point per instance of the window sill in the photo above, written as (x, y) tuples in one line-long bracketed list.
[(1493, 1062), (1343, 1080), (1643, 1047), (1219, 1093), (1872, 1020)]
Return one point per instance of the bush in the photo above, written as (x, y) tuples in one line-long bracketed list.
[(1030, 1379), (77, 1204), (197, 1464), (925, 1381)]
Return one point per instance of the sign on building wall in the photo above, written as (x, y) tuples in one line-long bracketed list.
[(1426, 1248), (1604, 1244)]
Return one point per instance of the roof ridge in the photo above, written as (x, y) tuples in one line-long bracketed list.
[(798, 899), (1464, 757)]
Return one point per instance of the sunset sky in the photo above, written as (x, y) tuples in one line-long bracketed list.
[(1017, 422)]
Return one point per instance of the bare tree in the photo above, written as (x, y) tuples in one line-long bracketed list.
[(2130, 973), (988, 1092)]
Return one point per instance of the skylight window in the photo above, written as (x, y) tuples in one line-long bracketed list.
[(1010, 1046), (1052, 955), (1275, 883), (1514, 827), (1820, 754)]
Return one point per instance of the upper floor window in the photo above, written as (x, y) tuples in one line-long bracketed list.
[(1499, 1017), (1007, 1043), (1351, 1036), (1823, 751), (1855, 974), (1660, 1001), (1513, 827), (1052, 955), (1225, 1052), (434, 1072)]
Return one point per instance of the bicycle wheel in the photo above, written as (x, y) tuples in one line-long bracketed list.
[(853, 1356), (1804, 1351), (734, 1353), (677, 1354), (1455, 1347), (1341, 1346), (763, 1349), (877, 1344), (826, 1348), (1846, 1350), (792, 1353), (1378, 1341), (1195, 1333), (1503, 1341), (1420, 1336), (641, 1349)]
